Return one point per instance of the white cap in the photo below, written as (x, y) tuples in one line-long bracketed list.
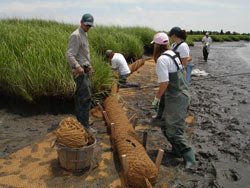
[(108, 53), (160, 38)]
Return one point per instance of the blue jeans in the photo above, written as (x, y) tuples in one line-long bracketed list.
[(188, 72)]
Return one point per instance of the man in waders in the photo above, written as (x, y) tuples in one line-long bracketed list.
[(78, 57), (173, 85)]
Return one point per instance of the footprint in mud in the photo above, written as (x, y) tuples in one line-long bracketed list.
[(232, 175)]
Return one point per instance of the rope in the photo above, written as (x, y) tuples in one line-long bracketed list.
[(71, 133)]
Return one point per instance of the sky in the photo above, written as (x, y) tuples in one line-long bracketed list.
[(160, 15)]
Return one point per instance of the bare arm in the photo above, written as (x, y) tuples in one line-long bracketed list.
[(162, 88), (184, 61), (190, 58)]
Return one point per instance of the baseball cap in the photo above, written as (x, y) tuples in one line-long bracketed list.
[(88, 19), (160, 38), (174, 30), (108, 52)]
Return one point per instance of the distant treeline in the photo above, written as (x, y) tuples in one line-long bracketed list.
[(217, 37), (191, 32)]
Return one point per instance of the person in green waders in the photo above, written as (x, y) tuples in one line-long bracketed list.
[(78, 57), (173, 86)]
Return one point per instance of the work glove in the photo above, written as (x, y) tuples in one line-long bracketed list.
[(155, 104)]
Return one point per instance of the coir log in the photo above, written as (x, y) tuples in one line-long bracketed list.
[(140, 166)]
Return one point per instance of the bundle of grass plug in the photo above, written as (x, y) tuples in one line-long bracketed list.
[(71, 133)]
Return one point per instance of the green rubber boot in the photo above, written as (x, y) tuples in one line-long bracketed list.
[(189, 159)]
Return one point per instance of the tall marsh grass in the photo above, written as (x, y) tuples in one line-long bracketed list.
[(130, 41), (32, 59)]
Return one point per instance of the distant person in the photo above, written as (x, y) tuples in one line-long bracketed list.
[(173, 86), (206, 41), (119, 63), (181, 48), (78, 57)]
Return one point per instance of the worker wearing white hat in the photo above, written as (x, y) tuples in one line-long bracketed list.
[(206, 41), (119, 63)]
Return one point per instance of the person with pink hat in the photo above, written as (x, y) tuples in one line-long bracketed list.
[(181, 48), (173, 86)]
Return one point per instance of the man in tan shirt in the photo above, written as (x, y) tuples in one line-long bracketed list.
[(78, 57)]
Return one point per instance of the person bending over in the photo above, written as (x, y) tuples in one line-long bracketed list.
[(119, 63)]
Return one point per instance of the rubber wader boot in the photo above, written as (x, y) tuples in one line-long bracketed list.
[(189, 158)]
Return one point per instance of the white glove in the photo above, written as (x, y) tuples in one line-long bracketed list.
[(155, 103)]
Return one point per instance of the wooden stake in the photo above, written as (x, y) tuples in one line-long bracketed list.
[(159, 158), (125, 169), (112, 125), (104, 113), (100, 107), (106, 118), (132, 117), (144, 141), (148, 184)]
